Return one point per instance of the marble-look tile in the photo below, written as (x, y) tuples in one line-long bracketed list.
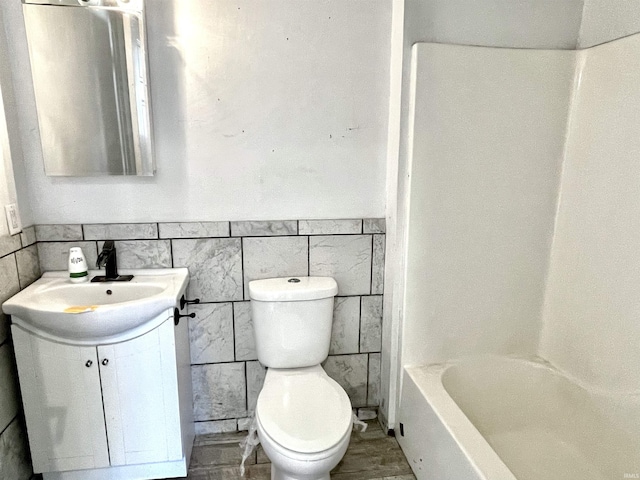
[(211, 333), (9, 286), (58, 233), (373, 225), (264, 229), (28, 236), (55, 255), (377, 267), (8, 389), (28, 265), (142, 253), (371, 324), (255, 379), (9, 244), (215, 267), (243, 329), (244, 424), (15, 463), (347, 258), (274, 257), (194, 229), (350, 371), (219, 391), (373, 388), (345, 331), (329, 227), (121, 231), (216, 426)]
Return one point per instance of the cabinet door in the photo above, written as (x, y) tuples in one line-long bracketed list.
[(140, 394), (62, 402)]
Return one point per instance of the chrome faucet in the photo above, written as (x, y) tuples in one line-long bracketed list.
[(108, 259)]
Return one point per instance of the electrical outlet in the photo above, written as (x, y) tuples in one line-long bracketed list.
[(13, 218)]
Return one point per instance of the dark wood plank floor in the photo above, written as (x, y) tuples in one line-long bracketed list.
[(371, 455)]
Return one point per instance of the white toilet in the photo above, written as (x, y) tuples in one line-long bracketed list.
[(303, 417)]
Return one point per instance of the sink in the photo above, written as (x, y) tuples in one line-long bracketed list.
[(93, 313)]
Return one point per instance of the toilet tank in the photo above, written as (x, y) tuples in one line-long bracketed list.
[(292, 320)]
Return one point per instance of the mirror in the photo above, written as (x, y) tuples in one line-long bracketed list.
[(89, 67)]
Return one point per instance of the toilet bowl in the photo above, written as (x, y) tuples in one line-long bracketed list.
[(303, 416), (304, 423)]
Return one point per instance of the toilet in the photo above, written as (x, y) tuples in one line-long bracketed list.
[(303, 416)]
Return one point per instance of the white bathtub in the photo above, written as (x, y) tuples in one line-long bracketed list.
[(501, 418)]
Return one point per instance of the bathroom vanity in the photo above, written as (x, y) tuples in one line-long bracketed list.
[(115, 405)]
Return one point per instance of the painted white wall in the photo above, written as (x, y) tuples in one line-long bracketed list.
[(487, 144), (606, 20), (591, 328), (263, 110), (12, 178)]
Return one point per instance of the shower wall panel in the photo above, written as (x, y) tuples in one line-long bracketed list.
[(488, 130)]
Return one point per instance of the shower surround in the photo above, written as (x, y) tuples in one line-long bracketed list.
[(522, 263)]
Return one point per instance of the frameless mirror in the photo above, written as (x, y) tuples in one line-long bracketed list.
[(89, 67)]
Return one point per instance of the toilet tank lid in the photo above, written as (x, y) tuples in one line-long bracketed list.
[(290, 289)]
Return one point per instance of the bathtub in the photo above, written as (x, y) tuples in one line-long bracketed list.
[(503, 418)]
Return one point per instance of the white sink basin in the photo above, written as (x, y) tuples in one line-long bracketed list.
[(92, 313)]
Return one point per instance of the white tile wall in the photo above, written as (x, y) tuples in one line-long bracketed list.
[(219, 391), (329, 227), (28, 265), (350, 371), (61, 233), (194, 229), (9, 286), (55, 255), (347, 258), (211, 333), (120, 231), (244, 340), (142, 253), (264, 229), (269, 257), (371, 324), (222, 257), (215, 267), (345, 330)]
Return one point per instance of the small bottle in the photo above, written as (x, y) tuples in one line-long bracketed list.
[(77, 266)]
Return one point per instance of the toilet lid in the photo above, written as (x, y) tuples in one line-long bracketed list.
[(304, 412)]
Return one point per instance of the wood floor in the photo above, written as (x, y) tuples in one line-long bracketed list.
[(372, 455)]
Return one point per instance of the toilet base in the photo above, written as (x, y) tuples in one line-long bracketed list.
[(280, 475)]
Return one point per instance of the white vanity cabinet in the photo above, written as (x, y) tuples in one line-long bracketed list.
[(108, 411)]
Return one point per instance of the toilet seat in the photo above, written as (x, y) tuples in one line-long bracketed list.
[(304, 410)]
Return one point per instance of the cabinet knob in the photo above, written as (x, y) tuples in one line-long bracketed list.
[(105, 361), (88, 364)]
